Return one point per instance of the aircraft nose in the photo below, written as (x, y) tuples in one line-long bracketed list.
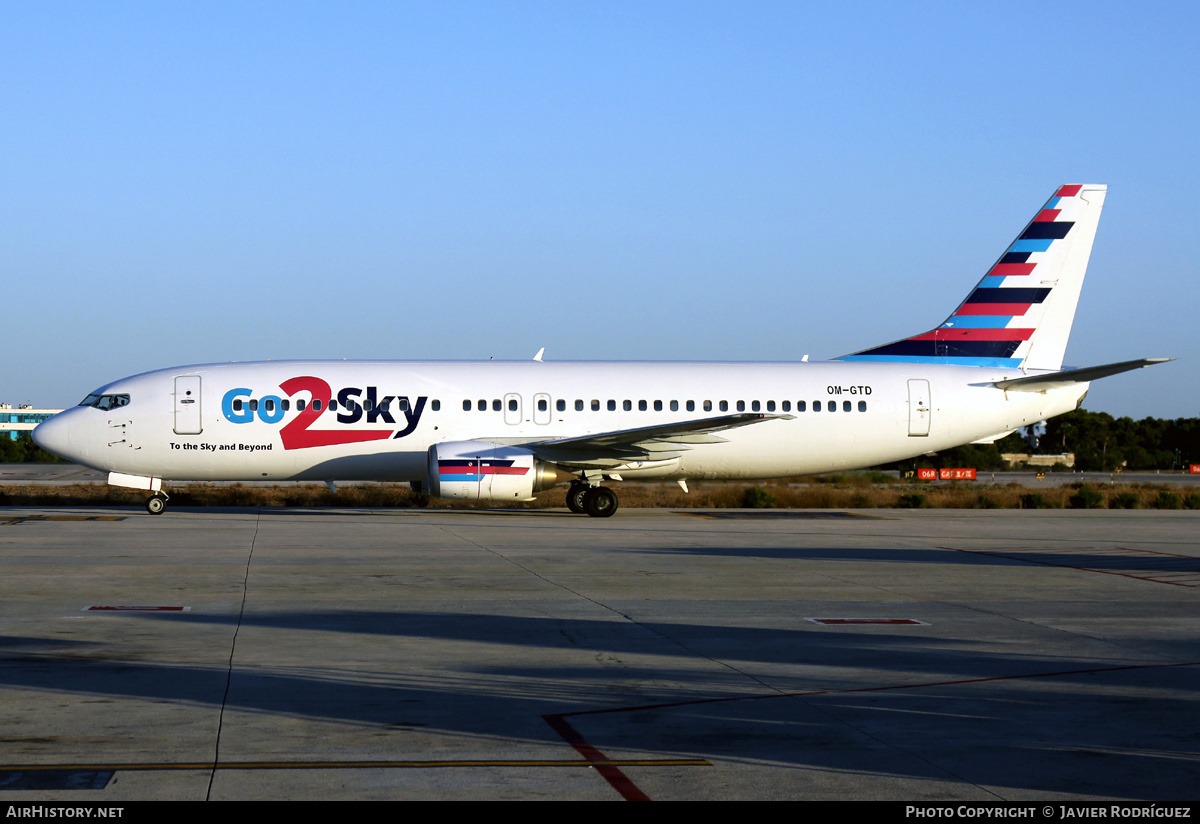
[(51, 435)]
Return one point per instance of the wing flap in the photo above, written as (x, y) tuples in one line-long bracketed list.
[(657, 443)]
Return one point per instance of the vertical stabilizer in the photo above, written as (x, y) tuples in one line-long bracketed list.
[(1020, 314)]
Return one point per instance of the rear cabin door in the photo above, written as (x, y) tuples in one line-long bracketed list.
[(187, 405), (919, 408)]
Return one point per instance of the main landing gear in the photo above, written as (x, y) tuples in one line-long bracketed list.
[(157, 504), (596, 501)]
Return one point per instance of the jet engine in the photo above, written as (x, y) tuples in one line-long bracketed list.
[(481, 471)]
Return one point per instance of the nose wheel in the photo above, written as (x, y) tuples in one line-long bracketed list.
[(156, 504)]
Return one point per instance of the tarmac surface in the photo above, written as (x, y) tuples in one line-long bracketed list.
[(982, 655)]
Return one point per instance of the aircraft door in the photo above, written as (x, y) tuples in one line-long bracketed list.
[(187, 405), (541, 408), (919, 408), (512, 408)]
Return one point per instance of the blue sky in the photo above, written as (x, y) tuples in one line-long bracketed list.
[(194, 182)]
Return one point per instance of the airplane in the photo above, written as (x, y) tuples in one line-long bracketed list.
[(504, 430)]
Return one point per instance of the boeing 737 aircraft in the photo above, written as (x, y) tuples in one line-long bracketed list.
[(501, 431)]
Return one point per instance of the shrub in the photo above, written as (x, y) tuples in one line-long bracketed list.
[(1124, 500), (1086, 498), (755, 498), (911, 500), (1033, 500), (1167, 500)]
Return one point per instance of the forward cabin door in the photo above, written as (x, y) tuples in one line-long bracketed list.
[(187, 405), (919, 408)]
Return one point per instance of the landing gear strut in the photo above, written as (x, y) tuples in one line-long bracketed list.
[(157, 504)]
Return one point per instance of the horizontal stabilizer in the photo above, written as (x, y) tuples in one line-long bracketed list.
[(1054, 380)]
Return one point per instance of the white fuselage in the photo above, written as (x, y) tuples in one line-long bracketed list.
[(869, 413)]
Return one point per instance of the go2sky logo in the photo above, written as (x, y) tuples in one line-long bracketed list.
[(296, 434)]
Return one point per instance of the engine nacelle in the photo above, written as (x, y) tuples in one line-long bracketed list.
[(481, 471)]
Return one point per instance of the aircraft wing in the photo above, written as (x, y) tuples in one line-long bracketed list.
[(1055, 380), (647, 443)]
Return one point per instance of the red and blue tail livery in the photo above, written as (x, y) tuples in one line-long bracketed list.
[(1020, 313)]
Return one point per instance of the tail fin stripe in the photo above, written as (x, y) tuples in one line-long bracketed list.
[(1009, 310), (1031, 246), (1047, 231), (1005, 320), (1005, 270)]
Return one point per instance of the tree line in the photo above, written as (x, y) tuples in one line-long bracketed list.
[(1101, 443)]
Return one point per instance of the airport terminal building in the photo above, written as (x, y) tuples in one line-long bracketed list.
[(23, 418)]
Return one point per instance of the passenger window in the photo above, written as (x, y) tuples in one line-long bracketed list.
[(674, 406), (481, 405), (658, 406), (831, 406), (466, 406), (816, 406), (802, 406), (316, 404), (404, 404), (627, 405), (741, 406), (299, 405), (595, 405), (708, 406), (691, 406), (561, 405), (787, 406), (237, 405), (254, 405), (845, 406), (723, 406), (268, 405), (512, 404), (579, 405), (368, 405), (496, 405), (435, 405), (542, 405), (862, 406), (641, 406), (754, 406), (612, 405)]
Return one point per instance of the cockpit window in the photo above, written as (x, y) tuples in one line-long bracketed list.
[(105, 401)]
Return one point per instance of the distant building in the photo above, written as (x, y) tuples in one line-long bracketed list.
[(1013, 458), (21, 419)]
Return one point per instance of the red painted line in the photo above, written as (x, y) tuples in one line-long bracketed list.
[(840, 621), (135, 609), (1067, 191), (1046, 215), (615, 778)]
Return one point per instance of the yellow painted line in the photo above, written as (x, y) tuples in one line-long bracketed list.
[(342, 765)]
